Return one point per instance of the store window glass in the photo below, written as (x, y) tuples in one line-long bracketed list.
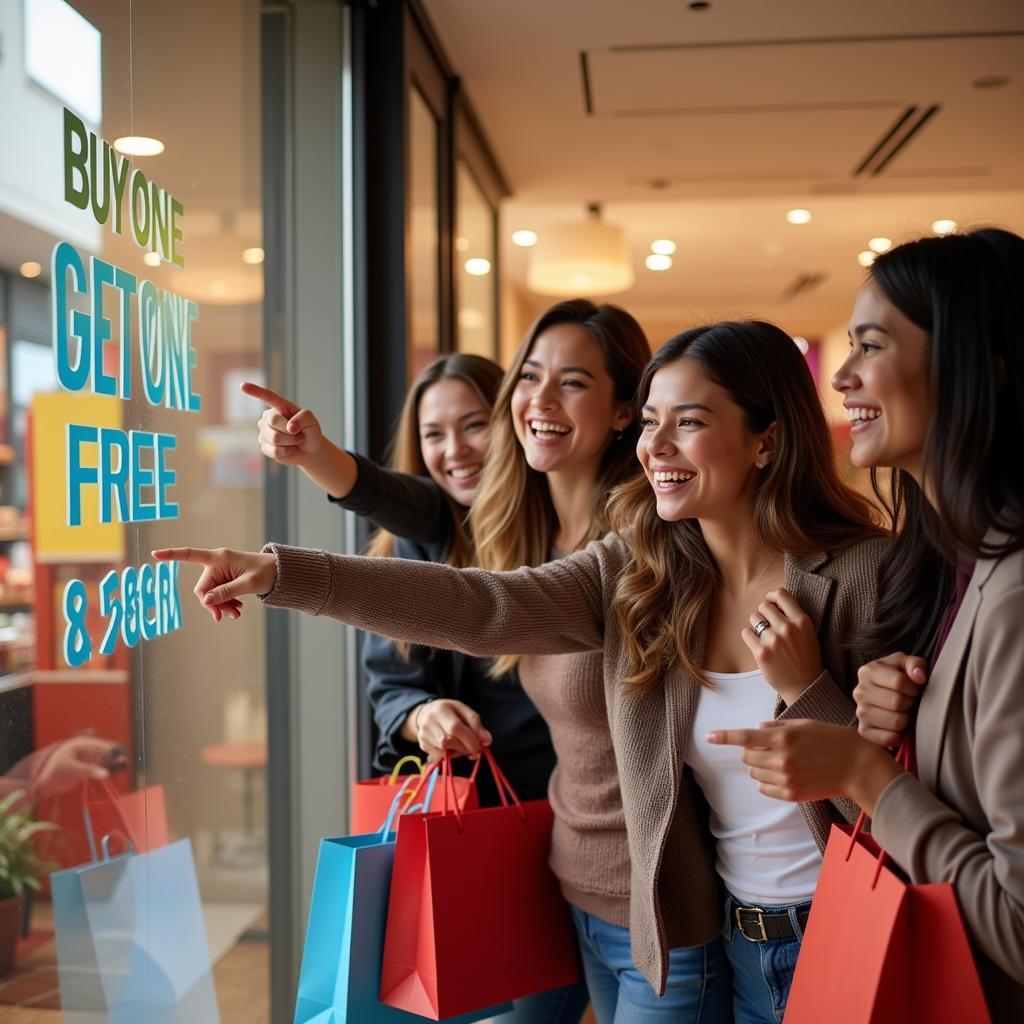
[(130, 311), (424, 253), (475, 269)]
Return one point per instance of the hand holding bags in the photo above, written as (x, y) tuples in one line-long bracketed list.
[(878, 950), (371, 798), (475, 916), (345, 936)]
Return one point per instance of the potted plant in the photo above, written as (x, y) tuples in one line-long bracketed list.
[(20, 869)]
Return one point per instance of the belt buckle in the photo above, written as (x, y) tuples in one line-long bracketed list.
[(760, 923)]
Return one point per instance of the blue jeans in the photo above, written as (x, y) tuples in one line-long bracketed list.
[(762, 972), (697, 991), (559, 1006)]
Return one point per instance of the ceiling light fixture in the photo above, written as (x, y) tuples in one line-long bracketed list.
[(880, 244), (944, 227), (658, 261), (663, 247), (254, 255), (138, 145), (478, 266), (798, 216), (588, 258), (866, 258), (151, 259), (524, 238), (30, 269)]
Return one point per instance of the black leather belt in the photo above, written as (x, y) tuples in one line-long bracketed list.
[(757, 926)]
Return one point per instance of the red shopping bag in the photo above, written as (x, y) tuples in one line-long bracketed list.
[(371, 798), (475, 915), (139, 815), (879, 950)]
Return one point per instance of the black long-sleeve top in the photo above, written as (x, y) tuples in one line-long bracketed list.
[(418, 513)]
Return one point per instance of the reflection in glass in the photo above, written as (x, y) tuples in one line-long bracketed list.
[(152, 752), (474, 266), (424, 254)]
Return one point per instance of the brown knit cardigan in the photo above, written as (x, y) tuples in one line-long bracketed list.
[(563, 607)]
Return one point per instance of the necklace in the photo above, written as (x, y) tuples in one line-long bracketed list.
[(764, 572)]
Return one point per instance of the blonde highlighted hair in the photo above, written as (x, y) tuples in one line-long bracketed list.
[(405, 453), (663, 599), (513, 519)]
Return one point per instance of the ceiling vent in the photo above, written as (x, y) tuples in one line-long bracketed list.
[(801, 284), (895, 140)]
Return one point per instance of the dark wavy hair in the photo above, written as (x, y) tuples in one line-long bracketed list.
[(966, 292), (800, 503)]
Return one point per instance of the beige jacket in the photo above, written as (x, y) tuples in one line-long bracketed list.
[(562, 607), (962, 821)]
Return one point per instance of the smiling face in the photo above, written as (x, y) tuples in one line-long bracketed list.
[(455, 428), (884, 385), (564, 410), (697, 451)]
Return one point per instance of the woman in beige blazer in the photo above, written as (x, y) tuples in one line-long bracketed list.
[(935, 379), (741, 566)]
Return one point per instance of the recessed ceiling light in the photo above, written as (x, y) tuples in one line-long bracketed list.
[(151, 259), (663, 247), (658, 261), (803, 344), (478, 267), (524, 238), (944, 227), (253, 255), (30, 269), (798, 216), (866, 258), (138, 145), (461, 244), (880, 244)]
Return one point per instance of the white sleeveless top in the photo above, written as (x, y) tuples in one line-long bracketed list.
[(765, 854)]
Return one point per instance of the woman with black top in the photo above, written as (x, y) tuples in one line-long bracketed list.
[(424, 698)]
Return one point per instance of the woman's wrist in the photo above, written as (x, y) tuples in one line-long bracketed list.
[(871, 771), (411, 725)]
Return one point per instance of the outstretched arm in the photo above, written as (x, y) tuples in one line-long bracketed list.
[(552, 609), (408, 506)]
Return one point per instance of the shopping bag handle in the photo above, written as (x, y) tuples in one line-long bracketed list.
[(411, 806), (904, 757), (112, 795), (105, 843), (408, 759)]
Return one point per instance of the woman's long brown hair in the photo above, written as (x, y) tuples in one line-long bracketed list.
[(801, 505), (513, 519)]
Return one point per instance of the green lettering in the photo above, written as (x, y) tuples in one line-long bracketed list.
[(75, 160), (120, 178), (140, 219), (176, 209), (158, 204), (99, 176)]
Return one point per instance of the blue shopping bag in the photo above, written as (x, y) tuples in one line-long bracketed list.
[(131, 942), (339, 981)]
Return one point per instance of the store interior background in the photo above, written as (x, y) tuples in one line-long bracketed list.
[(701, 123)]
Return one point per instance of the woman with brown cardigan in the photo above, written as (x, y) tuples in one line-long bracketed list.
[(739, 496)]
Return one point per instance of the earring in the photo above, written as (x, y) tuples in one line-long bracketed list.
[(618, 435)]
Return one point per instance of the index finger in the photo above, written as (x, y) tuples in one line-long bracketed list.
[(749, 738), (268, 397), (198, 556), (787, 603)]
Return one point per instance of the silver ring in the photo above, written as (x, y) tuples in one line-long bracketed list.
[(760, 627)]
